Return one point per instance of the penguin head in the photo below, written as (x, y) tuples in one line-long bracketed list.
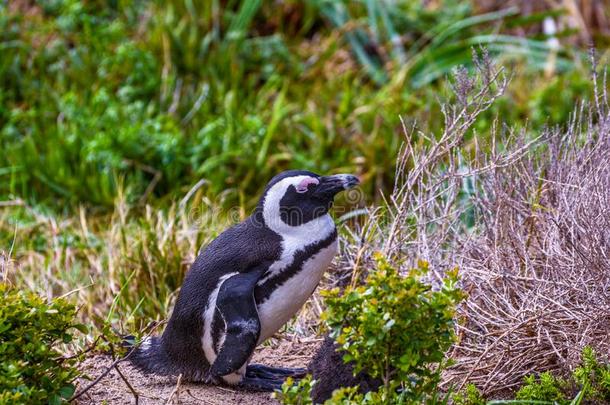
[(297, 197)]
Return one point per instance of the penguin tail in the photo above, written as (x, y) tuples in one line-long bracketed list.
[(149, 356)]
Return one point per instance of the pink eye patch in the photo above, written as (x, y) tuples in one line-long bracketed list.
[(304, 184)]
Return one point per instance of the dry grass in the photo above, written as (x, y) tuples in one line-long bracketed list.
[(124, 267), (528, 224), (430, 204), (538, 270)]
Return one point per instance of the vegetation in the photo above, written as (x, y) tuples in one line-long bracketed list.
[(121, 125), (590, 380), (150, 98), (589, 383), (33, 369), (133, 132), (395, 328), (296, 392), (506, 267)]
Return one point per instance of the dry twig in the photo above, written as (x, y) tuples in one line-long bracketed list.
[(528, 224)]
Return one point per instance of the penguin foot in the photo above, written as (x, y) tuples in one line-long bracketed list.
[(261, 371), (261, 384)]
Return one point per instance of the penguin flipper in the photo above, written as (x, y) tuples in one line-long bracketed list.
[(237, 308)]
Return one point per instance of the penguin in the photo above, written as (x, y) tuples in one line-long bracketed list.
[(248, 283)]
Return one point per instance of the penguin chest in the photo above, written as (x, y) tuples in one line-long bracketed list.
[(288, 298)]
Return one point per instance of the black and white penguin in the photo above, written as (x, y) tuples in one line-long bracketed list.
[(247, 283)]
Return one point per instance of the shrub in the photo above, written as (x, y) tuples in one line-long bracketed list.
[(470, 396), (593, 376), (591, 379), (588, 382), (396, 328), (544, 388), (32, 370), (296, 393)]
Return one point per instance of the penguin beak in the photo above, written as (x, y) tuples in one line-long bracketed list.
[(331, 185)]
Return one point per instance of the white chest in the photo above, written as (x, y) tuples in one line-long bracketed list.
[(288, 298)]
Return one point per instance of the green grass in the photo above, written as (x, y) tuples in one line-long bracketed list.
[(156, 96)]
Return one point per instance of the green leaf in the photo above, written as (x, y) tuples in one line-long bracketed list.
[(67, 391), (81, 328)]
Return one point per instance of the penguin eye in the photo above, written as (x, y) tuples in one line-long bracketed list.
[(304, 184)]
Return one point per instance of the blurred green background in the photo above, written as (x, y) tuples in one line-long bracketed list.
[(153, 96), (111, 111)]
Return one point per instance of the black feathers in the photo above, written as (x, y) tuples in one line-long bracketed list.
[(263, 291), (236, 307), (215, 324)]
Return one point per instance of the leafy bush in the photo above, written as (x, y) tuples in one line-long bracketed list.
[(590, 381), (593, 376), (32, 370), (470, 396), (296, 393), (395, 328), (544, 388)]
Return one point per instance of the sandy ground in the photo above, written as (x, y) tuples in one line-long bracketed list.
[(165, 390)]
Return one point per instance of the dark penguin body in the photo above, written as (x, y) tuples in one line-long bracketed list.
[(330, 373), (247, 283)]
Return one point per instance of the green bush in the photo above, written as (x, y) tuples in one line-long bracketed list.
[(296, 393), (32, 370), (544, 388), (593, 376), (396, 328), (591, 380), (470, 396), (589, 383)]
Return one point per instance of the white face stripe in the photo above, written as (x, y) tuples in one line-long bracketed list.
[(294, 238), (208, 317), (271, 210)]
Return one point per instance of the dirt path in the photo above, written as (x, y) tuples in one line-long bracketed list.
[(161, 390)]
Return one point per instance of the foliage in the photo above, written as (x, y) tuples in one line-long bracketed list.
[(590, 380), (32, 370), (296, 393), (157, 95), (593, 376), (98, 104), (396, 328), (469, 396), (444, 37), (545, 387), (111, 111)]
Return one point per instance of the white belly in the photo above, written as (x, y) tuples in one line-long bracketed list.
[(288, 298)]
